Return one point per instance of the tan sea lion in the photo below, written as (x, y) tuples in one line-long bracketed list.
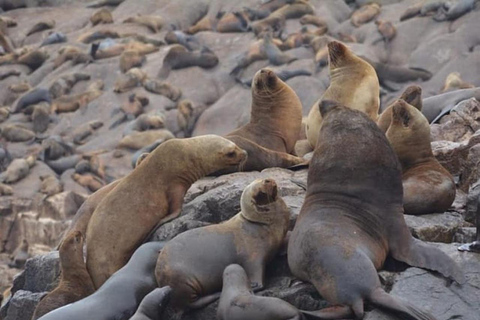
[(102, 16), (365, 14), (158, 184), (41, 117), (75, 282), (237, 301), (88, 181), (5, 190), (386, 29), (41, 26), (353, 82), (131, 109), (255, 52), (50, 185), (427, 186), (4, 113), (295, 10), (34, 59), (130, 59), (20, 87), (146, 122), (132, 79), (344, 234), (412, 11), (18, 169), (81, 133), (162, 88), (10, 22), (137, 140), (275, 122), (154, 23), (236, 21), (17, 133), (195, 274), (72, 103), (64, 84), (455, 82), (178, 57), (71, 53), (314, 20), (185, 116)]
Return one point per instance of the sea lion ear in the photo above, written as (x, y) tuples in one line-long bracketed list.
[(326, 106), (400, 112)]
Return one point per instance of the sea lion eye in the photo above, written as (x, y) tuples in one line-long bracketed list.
[(231, 154)]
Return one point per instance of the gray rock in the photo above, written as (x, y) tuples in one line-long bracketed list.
[(439, 227), (21, 306)]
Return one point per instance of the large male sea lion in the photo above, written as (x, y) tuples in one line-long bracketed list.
[(427, 186), (237, 301), (149, 196), (352, 218), (353, 83), (75, 282), (192, 263), (274, 127), (120, 296)]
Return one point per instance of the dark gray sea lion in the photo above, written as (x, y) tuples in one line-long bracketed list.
[(179, 57), (41, 26), (153, 304), (455, 10), (65, 163), (34, 96), (437, 106), (180, 37)]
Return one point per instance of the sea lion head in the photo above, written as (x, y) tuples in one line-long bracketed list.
[(266, 83), (235, 276), (413, 96), (258, 201), (338, 54), (71, 247)]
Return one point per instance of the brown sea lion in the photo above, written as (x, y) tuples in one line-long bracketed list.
[(137, 140), (72, 103), (146, 122), (314, 20), (195, 274), (158, 184), (88, 181), (274, 54), (178, 57), (185, 119), (81, 133), (64, 84), (365, 14), (132, 79), (353, 82), (20, 255), (412, 95), (34, 59), (41, 117), (236, 21), (237, 301), (275, 121), (130, 59), (75, 282), (455, 82), (18, 169), (20, 87), (71, 53), (102, 16), (272, 23), (427, 186), (17, 133), (50, 185), (41, 26), (162, 88), (412, 11), (154, 23), (131, 109), (386, 29), (179, 37), (255, 52), (343, 235)]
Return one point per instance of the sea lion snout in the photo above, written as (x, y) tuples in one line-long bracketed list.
[(265, 77), (400, 113), (265, 192)]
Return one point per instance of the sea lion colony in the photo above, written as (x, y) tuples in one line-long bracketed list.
[(81, 107)]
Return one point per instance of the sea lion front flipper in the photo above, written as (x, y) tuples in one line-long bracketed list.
[(204, 301)]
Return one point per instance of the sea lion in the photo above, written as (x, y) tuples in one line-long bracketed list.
[(162, 88), (455, 82), (195, 274), (430, 6), (185, 119), (132, 79), (137, 140), (437, 106), (412, 95), (88, 181), (178, 57), (412, 11), (9, 73), (63, 164), (20, 87), (41, 117), (180, 37), (475, 245), (50, 185), (71, 53), (20, 255), (145, 122), (32, 97), (64, 84), (274, 54), (10, 22), (81, 133), (73, 103), (275, 122), (272, 23), (388, 72), (236, 21), (237, 302), (343, 235), (75, 282), (120, 296), (54, 38), (153, 23), (34, 59), (365, 14), (386, 29), (141, 154), (427, 186), (4, 113), (160, 185), (91, 163), (95, 35), (353, 82), (54, 147), (18, 169), (130, 59), (101, 3), (131, 109), (255, 52), (5, 190), (153, 304), (102, 16), (454, 10), (314, 20), (17, 133), (41, 26)]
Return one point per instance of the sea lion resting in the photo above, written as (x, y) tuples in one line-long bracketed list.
[(352, 218)]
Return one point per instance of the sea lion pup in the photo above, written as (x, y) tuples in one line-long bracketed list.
[(71, 53), (455, 82), (88, 181), (146, 122), (64, 84), (365, 14), (159, 185), (16, 133), (154, 23), (188, 41), (412, 95), (74, 102), (132, 79), (188, 115), (427, 186), (91, 36), (102, 16), (162, 88), (343, 235), (131, 109), (130, 59), (195, 274), (412, 11), (75, 282), (275, 122), (353, 82), (34, 59), (20, 256), (32, 97), (153, 304), (313, 20), (386, 29), (10, 22), (41, 26), (120, 296), (273, 23), (274, 54), (50, 185), (236, 21), (237, 301), (178, 57), (85, 130), (101, 3), (137, 140), (40, 117), (141, 154)]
